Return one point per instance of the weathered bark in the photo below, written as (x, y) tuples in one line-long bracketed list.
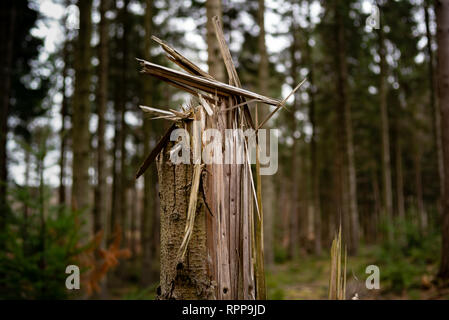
[(434, 107), (214, 63), (385, 133), (346, 124), (148, 212), (81, 109), (189, 279), (442, 13), (267, 181)]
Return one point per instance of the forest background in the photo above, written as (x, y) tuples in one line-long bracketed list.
[(360, 144)]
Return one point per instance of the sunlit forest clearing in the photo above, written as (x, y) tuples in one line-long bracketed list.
[(224, 149)]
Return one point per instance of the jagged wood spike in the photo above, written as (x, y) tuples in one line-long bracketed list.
[(281, 104), (160, 145), (180, 60), (230, 67)]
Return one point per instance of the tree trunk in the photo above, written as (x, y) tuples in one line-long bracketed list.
[(148, 212), (377, 206), (124, 181), (117, 186), (422, 215), (99, 212), (442, 13), (189, 280), (100, 190), (386, 162), (346, 124), (434, 107), (295, 167), (116, 174), (267, 181), (8, 20), (63, 132), (399, 179), (81, 109), (313, 143), (214, 63), (26, 209)]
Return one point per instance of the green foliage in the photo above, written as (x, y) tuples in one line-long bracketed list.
[(403, 261), (280, 254), (148, 293), (39, 244)]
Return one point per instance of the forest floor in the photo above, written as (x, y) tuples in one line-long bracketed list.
[(307, 278)]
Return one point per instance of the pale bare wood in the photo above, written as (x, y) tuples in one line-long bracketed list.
[(230, 67), (209, 85), (259, 266), (281, 104), (180, 60)]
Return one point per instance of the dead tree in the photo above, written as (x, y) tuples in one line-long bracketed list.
[(209, 210)]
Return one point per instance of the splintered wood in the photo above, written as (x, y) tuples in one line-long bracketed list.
[(211, 223)]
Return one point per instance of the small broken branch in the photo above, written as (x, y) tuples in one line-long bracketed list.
[(160, 145)]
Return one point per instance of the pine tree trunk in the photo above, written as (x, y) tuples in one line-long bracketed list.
[(100, 190), (99, 211), (434, 106), (442, 13), (377, 206), (386, 162), (148, 212), (315, 181), (124, 181), (346, 124), (7, 27), (214, 62), (117, 187), (422, 215), (295, 168), (399, 180), (81, 109), (267, 181), (63, 131)]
